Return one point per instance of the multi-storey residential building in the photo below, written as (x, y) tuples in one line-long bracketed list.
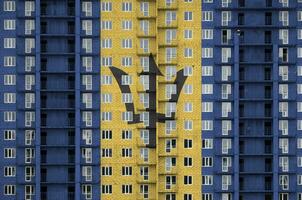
[(49, 110), (251, 68), (150, 99)]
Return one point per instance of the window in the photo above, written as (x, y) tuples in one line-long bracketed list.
[(225, 3), (9, 24), (226, 145), (188, 180), (126, 6), (106, 98), (29, 154), (188, 161), (284, 17), (188, 143), (126, 80), (225, 17), (87, 8), (106, 116), (299, 15), (29, 137), (188, 125), (29, 173), (127, 25), (207, 125), (87, 136), (126, 152), (188, 52), (144, 26), (9, 153), (106, 189), (299, 52), (188, 34), (284, 181), (207, 144), (226, 54), (9, 61), (283, 36), (209, 196), (207, 180), (106, 134), (188, 107), (188, 71), (127, 116), (87, 27), (207, 70), (207, 52), (9, 79), (144, 45), (9, 6), (29, 8), (87, 63), (9, 116), (127, 98), (29, 191), (188, 16), (87, 191), (87, 82), (127, 61), (9, 43), (188, 89), (87, 173), (283, 145), (207, 16), (126, 171), (87, 100), (106, 80), (299, 161), (106, 171), (106, 25), (106, 6), (29, 118), (207, 162), (9, 190), (126, 189), (144, 136), (299, 34), (299, 143), (9, 135), (144, 8), (126, 43), (106, 43), (207, 34), (226, 182), (126, 134), (87, 45), (10, 98), (207, 106), (9, 171), (207, 89)]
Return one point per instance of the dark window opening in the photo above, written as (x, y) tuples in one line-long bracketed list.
[(241, 19)]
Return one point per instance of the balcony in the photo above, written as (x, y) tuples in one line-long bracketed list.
[(162, 5)]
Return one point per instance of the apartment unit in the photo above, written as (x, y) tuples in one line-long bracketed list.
[(150, 99), (251, 98), (49, 99)]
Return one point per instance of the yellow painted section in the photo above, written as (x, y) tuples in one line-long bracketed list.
[(157, 156)]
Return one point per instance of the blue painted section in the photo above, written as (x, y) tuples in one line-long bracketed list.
[(255, 99), (58, 69)]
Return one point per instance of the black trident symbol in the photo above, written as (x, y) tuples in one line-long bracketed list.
[(154, 117)]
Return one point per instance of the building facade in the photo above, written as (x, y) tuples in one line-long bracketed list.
[(150, 99), (251, 74), (49, 110)]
